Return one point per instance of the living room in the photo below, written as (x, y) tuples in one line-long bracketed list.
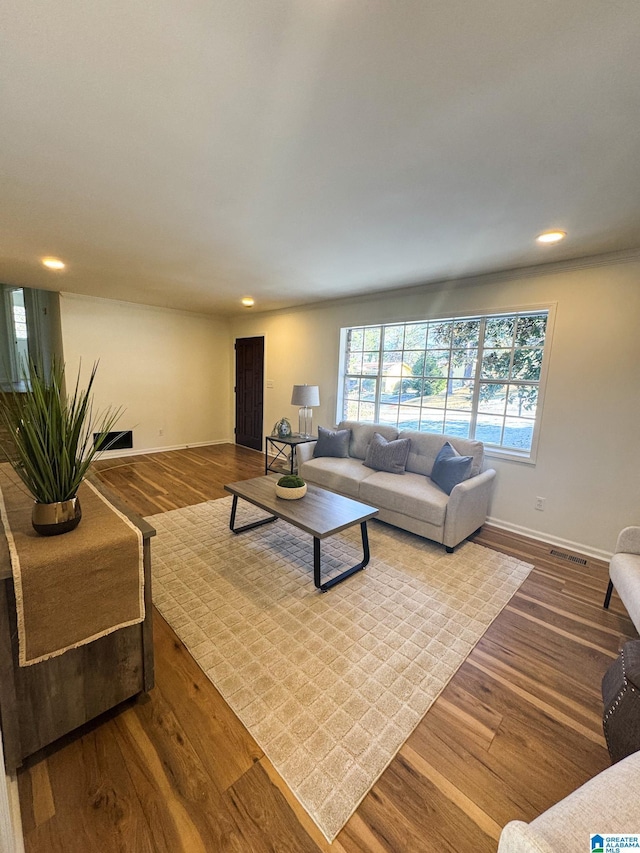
[(149, 356), (153, 294)]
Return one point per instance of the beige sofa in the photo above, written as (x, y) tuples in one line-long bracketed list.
[(409, 500), (608, 803)]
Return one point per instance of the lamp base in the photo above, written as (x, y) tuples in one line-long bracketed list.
[(305, 421)]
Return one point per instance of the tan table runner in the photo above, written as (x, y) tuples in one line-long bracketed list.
[(76, 587)]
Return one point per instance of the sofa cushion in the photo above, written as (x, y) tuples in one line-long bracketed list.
[(337, 475), (412, 495), (425, 446), (332, 442), (383, 455), (450, 468), (361, 435)]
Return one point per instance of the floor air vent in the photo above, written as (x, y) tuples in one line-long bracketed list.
[(580, 560)]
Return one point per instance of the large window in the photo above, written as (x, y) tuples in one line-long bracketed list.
[(476, 377)]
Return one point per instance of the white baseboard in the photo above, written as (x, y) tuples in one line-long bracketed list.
[(116, 454), (567, 544)]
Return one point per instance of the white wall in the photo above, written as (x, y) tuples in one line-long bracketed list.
[(587, 464), (170, 370)]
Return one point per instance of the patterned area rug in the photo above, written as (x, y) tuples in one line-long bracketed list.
[(329, 684)]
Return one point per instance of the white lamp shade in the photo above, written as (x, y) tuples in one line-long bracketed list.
[(305, 395)]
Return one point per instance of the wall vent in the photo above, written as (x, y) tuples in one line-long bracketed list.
[(563, 556), (116, 440)]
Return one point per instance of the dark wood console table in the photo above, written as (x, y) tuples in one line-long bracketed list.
[(42, 702)]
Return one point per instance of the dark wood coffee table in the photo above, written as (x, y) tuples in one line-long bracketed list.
[(320, 513)]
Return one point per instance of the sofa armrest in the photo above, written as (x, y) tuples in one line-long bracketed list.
[(608, 803), (468, 507), (304, 452), (628, 541), (518, 837)]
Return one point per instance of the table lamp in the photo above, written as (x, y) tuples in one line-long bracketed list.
[(305, 396)]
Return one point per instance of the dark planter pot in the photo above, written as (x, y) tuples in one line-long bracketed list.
[(54, 519)]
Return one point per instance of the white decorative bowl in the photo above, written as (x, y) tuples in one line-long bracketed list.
[(291, 494)]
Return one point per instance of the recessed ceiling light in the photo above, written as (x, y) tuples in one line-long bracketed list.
[(551, 236), (53, 263), (248, 301)]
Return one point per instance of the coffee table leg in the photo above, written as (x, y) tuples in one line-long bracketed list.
[(323, 587), (244, 527)]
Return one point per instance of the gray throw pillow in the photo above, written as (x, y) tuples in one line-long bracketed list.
[(332, 442), (450, 468), (391, 456)]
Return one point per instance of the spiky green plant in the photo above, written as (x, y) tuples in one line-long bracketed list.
[(51, 443)]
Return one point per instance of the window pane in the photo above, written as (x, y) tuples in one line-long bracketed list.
[(489, 429), (352, 389), (436, 401), (439, 334), (463, 363), (352, 411), (388, 414), (466, 333), (355, 363), (415, 336), (530, 331), (460, 396), (390, 394), (492, 398), (432, 421), (415, 361), (372, 338), (496, 363), (440, 359), (367, 413), (393, 337), (518, 433), (408, 419), (369, 389), (355, 340), (499, 332), (522, 400), (393, 364), (457, 423), (527, 364), (370, 362)]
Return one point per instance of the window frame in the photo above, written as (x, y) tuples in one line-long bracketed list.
[(495, 451)]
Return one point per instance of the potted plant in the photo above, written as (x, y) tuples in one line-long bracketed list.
[(290, 487), (51, 442)]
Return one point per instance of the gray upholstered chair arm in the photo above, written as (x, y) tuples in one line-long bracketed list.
[(304, 452), (628, 541)]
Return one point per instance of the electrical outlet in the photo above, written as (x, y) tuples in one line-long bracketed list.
[(540, 504), (160, 431)]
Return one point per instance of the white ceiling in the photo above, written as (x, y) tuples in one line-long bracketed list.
[(186, 153)]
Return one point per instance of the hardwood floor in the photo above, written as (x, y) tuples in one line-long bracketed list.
[(517, 728)]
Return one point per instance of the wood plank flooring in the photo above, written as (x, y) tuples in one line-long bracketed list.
[(517, 728)]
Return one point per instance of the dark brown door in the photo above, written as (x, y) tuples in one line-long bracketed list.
[(249, 391)]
